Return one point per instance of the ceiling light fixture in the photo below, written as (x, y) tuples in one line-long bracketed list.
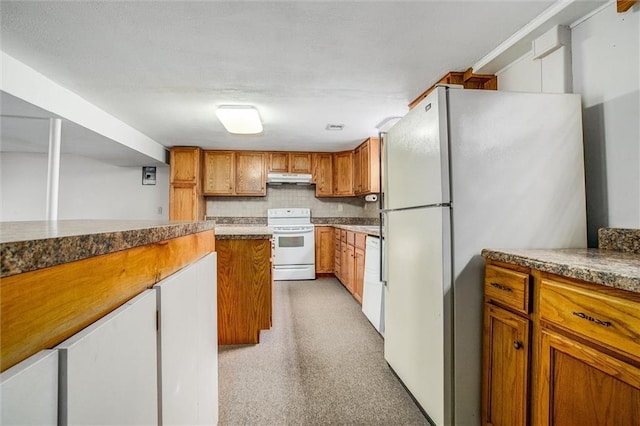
[(240, 119)]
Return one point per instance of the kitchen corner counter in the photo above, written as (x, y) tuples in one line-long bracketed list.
[(615, 269), (243, 232), (364, 229), (32, 245)]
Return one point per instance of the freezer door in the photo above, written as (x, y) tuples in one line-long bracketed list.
[(416, 156), (417, 305)]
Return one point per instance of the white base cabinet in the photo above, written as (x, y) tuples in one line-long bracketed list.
[(108, 371), (187, 345), (29, 391)]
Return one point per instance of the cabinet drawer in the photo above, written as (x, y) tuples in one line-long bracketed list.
[(360, 240), (599, 314), (506, 287)]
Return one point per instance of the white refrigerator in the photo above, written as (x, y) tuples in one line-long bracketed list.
[(466, 170)]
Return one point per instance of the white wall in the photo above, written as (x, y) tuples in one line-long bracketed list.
[(605, 66), (89, 189)]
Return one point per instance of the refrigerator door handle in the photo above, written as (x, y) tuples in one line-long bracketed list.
[(383, 270)]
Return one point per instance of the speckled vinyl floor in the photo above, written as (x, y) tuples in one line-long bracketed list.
[(321, 363)]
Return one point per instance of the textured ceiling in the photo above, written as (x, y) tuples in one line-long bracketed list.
[(163, 67)]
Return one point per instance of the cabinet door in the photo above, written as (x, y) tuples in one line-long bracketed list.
[(343, 173), (108, 371), (29, 391), (505, 370), (581, 385), (358, 173), (187, 344), (184, 165), (279, 162), (324, 249), (323, 174), (366, 167), (219, 173), (184, 202), (250, 173), (358, 278), (337, 254), (300, 162)]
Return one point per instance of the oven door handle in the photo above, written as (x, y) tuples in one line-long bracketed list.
[(292, 231)]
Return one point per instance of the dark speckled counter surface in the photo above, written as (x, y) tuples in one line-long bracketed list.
[(27, 246), (606, 267)]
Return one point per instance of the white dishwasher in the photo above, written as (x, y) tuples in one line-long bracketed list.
[(373, 292)]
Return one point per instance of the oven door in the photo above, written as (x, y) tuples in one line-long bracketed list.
[(294, 245)]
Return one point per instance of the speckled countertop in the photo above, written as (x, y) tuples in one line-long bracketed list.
[(607, 267), (365, 229), (27, 246), (243, 232)]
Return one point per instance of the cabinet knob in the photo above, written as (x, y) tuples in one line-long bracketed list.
[(517, 345)]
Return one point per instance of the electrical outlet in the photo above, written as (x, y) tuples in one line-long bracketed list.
[(159, 210), (340, 208)]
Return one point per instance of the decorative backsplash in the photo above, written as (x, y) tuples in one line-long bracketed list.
[(239, 220), (619, 239), (290, 196)]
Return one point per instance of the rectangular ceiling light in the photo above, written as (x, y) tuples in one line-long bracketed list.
[(240, 119)]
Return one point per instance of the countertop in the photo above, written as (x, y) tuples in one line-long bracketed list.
[(243, 232), (611, 268), (30, 245), (365, 229)]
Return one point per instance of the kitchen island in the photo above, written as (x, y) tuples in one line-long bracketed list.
[(127, 307), (58, 277), (562, 334), (245, 282)]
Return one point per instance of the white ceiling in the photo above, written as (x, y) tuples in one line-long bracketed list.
[(163, 67)]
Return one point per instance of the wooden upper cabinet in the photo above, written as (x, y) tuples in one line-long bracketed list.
[(366, 170), (300, 162), (185, 165), (219, 172), (343, 174), (279, 162), (323, 174), (250, 173), (290, 162), (186, 201)]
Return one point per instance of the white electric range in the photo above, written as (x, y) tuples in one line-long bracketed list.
[(294, 244)]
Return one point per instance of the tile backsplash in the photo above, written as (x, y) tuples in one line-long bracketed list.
[(291, 196)]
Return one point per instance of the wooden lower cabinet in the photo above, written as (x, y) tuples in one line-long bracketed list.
[(569, 358), (324, 249), (349, 256), (506, 367), (585, 386), (337, 254), (244, 290), (358, 274)]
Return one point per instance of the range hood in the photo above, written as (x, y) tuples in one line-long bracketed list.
[(295, 178)]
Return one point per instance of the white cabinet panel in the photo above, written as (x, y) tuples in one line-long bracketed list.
[(208, 341), (108, 371), (187, 345), (29, 391)]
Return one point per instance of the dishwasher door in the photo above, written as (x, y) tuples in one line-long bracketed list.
[(373, 293)]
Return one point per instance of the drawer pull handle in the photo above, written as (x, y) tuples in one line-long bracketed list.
[(517, 345), (501, 287), (592, 319)]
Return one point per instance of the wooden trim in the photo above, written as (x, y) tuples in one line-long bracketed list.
[(42, 308), (624, 5), (466, 78)]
